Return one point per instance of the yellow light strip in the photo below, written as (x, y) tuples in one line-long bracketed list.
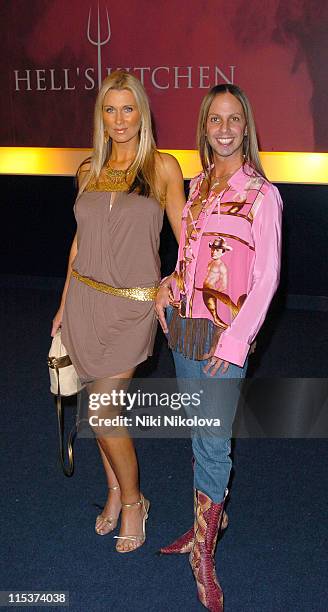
[(296, 167), (280, 167), (41, 160)]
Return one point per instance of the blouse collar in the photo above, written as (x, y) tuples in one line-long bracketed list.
[(237, 180)]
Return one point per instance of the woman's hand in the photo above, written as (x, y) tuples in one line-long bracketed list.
[(56, 322), (163, 299), (214, 364)]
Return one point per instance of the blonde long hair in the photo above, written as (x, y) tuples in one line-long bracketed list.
[(250, 144), (143, 167)]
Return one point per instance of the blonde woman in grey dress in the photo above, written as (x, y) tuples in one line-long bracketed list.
[(107, 330)]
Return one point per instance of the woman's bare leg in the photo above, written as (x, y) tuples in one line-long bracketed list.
[(119, 452), (107, 520)]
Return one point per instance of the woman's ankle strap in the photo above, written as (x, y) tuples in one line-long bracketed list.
[(137, 503)]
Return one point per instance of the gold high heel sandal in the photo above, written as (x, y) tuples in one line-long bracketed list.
[(136, 538), (111, 522)]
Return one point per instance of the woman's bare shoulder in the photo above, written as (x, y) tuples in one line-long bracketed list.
[(167, 165), (83, 170)]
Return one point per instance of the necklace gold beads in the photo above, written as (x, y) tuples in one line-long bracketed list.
[(111, 179), (117, 180)]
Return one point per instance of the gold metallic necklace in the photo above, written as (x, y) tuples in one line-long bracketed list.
[(111, 180), (117, 180)]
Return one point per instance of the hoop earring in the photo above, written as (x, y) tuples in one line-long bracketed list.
[(106, 137)]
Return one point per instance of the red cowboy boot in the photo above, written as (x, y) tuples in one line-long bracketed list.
[(181, 545), (208, 519), (184, 543)]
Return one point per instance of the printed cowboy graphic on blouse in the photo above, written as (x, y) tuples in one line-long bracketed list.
[(229, 258)]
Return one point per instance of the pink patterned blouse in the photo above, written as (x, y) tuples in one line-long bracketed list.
[(229, 259)]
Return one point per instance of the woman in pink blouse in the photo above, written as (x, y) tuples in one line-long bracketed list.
[(216, 299)]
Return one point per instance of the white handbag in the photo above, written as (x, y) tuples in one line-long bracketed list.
[(64, 381), (63, 377)]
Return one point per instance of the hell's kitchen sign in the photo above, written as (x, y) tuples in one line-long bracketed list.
[(57, 53)]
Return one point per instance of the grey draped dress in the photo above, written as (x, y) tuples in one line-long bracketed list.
[(118, 245)]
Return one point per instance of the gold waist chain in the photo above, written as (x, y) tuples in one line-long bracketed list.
[(141, 294)]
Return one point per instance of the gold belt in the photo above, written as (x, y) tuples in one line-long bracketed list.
[(142, 294)]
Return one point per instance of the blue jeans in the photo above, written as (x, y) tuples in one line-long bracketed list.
[(211, 449)]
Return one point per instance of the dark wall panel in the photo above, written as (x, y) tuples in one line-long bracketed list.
[(38, 225), (305, 254)]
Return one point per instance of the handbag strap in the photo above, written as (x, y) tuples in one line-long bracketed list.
[(68, 470)]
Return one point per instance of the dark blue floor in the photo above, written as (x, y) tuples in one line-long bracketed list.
[(273, 555)]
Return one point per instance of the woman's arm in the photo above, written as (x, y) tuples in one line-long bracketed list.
[(56, 323), (59, 315), (164, 298), (171, 178)]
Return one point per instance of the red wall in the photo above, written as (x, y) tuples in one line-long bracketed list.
[(275, 50)]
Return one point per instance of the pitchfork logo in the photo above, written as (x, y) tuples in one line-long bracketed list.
[(98, 42)]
